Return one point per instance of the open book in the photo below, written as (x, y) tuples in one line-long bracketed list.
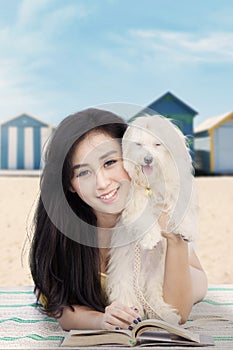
[(145, 333)]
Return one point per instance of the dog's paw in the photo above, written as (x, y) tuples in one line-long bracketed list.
[(186, 231), (150, 239), (188, 236)]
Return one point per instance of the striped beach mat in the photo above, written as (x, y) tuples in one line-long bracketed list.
[(22, 326)]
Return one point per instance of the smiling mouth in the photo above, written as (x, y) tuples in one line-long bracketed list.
[(109, 195)]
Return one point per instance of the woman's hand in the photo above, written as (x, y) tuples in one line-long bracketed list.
[(171, 237), (118, 316)]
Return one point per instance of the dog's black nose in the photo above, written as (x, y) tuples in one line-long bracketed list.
[(148, 159)]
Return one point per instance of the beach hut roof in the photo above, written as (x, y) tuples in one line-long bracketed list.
[(170, 104), (214, 122), (25, 119)]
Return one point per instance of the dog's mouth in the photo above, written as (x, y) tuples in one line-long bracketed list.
[(147, 169)]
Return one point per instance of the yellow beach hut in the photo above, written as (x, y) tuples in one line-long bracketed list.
[(214, 145)]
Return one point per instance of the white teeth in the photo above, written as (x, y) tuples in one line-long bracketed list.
[(109, 195)]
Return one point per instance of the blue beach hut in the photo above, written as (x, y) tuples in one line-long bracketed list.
[(170, 106), (214, 145), (22, 140)]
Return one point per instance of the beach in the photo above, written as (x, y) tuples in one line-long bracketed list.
[(214, 245)]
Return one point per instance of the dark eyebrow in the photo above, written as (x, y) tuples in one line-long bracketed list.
[(107, 154), (78, 166)]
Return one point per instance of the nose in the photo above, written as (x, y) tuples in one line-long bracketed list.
[(102, 179), (148, 159)]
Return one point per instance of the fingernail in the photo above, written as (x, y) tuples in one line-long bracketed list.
[(135, 321), (139, 319), (130, 328), (117, 328)]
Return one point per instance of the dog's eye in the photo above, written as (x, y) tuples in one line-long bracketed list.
[(138, 144), (157, 144)]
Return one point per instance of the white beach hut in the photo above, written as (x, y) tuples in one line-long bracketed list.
[(22, 140), (214, 145)]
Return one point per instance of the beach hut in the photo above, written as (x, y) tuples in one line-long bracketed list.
[(214, 145), (22, 140), (170, 106)]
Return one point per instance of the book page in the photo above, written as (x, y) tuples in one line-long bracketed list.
[(97, 337), (151, 324)]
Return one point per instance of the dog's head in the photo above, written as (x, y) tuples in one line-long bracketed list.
[(152, 144), (141, 151)]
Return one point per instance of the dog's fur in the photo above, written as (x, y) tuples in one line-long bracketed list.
[(159, 164)]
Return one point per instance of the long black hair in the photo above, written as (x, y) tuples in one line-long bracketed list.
[(65, 271)]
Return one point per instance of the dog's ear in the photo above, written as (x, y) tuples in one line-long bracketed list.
[(133, 169), (129, 166), (128, 162), (135, 172)]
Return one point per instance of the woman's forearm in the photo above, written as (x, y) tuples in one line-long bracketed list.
[(116, 315), (81, 318), (177, 288)]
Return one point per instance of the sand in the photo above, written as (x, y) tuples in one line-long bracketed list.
[(214, 246)]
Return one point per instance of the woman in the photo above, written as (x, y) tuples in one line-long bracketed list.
[(84, 188)]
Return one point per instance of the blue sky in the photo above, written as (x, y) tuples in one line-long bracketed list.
[(60, 56)]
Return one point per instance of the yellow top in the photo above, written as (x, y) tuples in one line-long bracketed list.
[(103, 281), (43, 300)]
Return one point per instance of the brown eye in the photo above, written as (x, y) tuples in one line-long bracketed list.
[(83, 173), (158, 144), (110, 162)]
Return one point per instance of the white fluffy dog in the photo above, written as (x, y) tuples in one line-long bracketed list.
[(159, 164)]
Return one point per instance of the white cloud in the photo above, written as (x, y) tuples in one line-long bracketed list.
[(29, 11), (28, 48), (189, 47), (50, 14)]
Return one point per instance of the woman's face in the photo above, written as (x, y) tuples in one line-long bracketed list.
[(99, 177)]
